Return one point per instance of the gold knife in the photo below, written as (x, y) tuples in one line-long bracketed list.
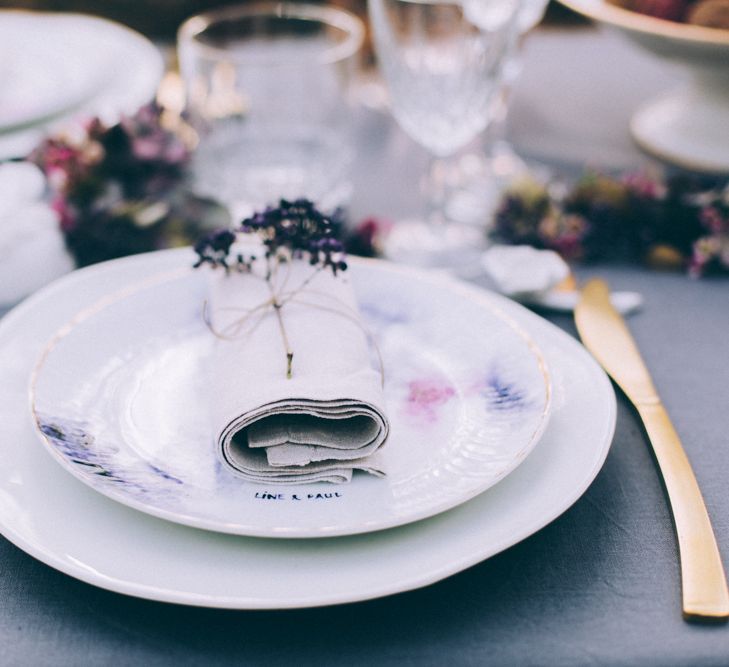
[(606, 336)]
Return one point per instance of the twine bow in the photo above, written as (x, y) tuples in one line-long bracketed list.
[(251, 318)]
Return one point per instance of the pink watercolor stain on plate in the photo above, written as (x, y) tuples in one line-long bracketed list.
[(425, 398)]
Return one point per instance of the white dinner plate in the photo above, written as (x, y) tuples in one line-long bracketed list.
[(70, 527), (122, 399), (55, 67)]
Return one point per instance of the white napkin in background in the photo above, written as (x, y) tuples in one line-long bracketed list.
[(328, 418), (32, 249), (529, 275), (521, 269)]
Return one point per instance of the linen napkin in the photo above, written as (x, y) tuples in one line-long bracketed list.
[(535, 278), (327, 419)]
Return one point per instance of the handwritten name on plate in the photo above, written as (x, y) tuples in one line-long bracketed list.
[(265, 495)]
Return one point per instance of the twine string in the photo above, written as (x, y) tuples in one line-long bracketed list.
[(255, 315)]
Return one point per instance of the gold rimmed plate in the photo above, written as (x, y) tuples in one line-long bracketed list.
[(121, 394)]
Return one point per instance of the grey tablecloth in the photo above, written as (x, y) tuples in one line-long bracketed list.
[(597, 586)]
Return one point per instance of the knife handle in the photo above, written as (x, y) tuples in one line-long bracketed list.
[(703, 582)]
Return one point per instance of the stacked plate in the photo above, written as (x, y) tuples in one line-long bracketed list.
[(499, 422), (58, 67)]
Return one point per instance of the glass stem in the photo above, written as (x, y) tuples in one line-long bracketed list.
[(436, 188)]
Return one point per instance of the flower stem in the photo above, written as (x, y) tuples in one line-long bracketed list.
[(277, 305), (287, 347)]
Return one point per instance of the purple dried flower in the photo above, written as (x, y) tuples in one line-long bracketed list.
[(328, 252), (214, 248), (293, 230), (528, 215), (565, 233), (645, 185), (66, 213), (149, 141), (298, 229), (67, 164), (712, 250), (713, 220)]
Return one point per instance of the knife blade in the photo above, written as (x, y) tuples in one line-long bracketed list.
[(606, 336)]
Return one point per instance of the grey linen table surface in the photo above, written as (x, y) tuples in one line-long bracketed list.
[(600, 585)]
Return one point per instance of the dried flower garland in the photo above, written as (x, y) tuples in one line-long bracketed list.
[(120, 190), (117, 189), (682, 222)]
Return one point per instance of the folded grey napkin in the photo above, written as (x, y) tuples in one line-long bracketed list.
[(327, 419)]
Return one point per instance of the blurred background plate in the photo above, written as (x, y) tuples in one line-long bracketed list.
[(87, 67)]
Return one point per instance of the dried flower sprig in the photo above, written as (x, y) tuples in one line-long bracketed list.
[(679, 222), (294, 230)]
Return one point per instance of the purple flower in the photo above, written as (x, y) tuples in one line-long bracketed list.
[(645, 185), (66, 213), (214, 248), (149, 141), (711, 251), (65, 164), (298, 229), (713, 220)]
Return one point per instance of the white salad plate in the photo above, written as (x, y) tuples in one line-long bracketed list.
[(122, 398), (67, 525), (58, 67)]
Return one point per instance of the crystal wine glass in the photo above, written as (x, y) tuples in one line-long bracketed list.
[(443, 62), (492, 167)]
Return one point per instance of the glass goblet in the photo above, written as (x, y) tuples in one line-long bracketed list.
[(442, 61)]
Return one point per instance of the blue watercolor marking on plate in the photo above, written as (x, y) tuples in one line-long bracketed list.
[(76, 445), (503, 395)]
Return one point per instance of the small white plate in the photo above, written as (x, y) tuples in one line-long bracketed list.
[(122, 397), (56, 67), (69, 527)]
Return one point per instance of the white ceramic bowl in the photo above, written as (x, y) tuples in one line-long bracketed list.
[(688, 126)]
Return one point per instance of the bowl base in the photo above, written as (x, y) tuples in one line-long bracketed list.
[(688, 127)]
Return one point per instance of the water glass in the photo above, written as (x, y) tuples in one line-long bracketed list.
[(268, 94)]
